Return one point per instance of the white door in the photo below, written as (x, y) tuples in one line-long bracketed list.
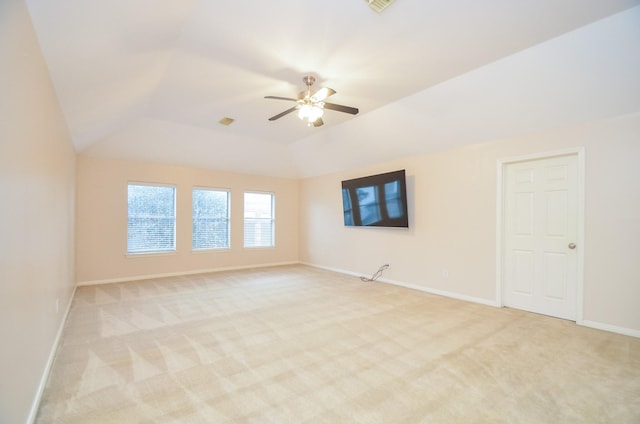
[(540, 229)]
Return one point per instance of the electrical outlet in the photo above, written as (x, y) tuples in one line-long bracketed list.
[(445, 273)]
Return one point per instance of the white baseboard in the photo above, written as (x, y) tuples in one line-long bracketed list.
[(611, 328), (47, 369), (444, 293), (177, 274), (328, 268)]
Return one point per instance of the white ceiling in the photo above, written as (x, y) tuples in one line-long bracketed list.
[(150, 79)]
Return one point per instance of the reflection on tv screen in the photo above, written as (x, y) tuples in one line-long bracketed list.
[(369, 205), (393, 199)]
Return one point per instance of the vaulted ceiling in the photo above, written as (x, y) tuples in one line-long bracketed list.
[(151, 79)]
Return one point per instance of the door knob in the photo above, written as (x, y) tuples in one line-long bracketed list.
[(572, 246)]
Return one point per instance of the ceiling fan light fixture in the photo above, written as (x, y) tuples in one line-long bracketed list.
[(310, 112)]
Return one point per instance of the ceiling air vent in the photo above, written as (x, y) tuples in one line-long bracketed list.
[(379, 5)]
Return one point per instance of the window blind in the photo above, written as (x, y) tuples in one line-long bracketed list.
[(210, 219), (258, 220), (151, 219)]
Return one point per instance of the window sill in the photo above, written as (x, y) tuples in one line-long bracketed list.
[(210, 251), (149, 254)]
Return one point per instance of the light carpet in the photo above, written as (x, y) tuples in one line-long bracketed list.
[(297, 344)]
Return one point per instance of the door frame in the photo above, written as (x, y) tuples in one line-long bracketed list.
[(579, 152)]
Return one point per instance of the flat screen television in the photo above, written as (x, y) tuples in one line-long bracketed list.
[(376, 201)]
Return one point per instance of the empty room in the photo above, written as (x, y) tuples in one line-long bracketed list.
[(348, 211)]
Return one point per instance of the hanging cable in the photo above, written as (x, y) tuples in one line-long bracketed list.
[(377, 274)]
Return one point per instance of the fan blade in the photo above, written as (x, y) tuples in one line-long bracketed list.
[(340, 108), (281, 114), (280, 98), (318, 122), (322, 94)]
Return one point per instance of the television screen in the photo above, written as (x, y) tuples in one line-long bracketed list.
[(376, 201)]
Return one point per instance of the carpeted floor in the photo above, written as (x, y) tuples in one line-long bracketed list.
[(302, 345)]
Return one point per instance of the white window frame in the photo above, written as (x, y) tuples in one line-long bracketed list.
[(175, 220), (272, 218), (228, 218)]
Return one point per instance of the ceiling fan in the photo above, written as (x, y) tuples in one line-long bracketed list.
[(311, 104)]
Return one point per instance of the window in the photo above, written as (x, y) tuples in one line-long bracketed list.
[(151, 225), (210, 219), (258, 220)]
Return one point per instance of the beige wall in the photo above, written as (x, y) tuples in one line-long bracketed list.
[(102, 220), (37, 172), (452, 202)]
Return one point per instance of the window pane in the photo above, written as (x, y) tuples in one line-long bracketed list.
[(258, 220), (151, 219), (210, 219)]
